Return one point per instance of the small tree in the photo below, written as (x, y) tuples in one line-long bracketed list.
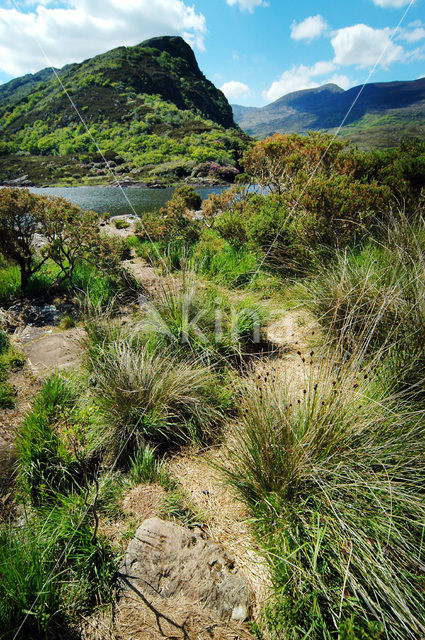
[(72, 235), (278, 163), (21, 214)]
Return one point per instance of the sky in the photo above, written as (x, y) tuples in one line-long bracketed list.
[(254, 50)]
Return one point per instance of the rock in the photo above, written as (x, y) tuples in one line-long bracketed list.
[(171, 561), (39, 241), (127, 217), (25, 313), (18, 181), (156, 185)]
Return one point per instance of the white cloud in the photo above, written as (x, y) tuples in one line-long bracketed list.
[(393, 4), (247, 5), (235, 90), (302, 77), (309, 29), (88, 27), (363, 46), (415, 35)]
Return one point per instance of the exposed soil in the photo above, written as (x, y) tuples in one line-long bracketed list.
[(25, 386), (110, 229), (144, 501), (136, 619), (153, 282), (46, 352)]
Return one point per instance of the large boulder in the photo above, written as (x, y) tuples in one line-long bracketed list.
[(170, 561)]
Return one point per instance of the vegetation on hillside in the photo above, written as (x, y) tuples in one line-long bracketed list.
[(148, 108), (376, 115)]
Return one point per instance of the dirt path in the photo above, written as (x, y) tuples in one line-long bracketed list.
[(295, 358), (46, 350), (226, 520)]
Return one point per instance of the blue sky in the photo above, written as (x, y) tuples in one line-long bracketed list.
[(256, 50)]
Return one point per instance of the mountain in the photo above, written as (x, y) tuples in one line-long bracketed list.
[(380, 113), (149, 104)]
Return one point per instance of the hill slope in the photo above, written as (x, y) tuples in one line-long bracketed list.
[(150, 104), (382, 112)]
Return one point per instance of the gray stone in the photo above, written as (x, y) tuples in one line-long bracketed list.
[(170, 561), (126, 217)]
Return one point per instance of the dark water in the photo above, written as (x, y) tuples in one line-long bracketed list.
[(115, 201)]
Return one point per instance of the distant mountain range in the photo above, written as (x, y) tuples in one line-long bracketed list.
[(377, 115), (150, 105)]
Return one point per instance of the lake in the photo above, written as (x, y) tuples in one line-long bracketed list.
[(118, 201)]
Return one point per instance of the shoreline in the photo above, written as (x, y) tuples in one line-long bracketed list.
[(121, 184)]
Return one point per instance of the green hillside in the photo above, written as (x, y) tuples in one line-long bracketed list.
[(148, 107)]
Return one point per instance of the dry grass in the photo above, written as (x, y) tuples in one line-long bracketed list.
[(227, 521), (172, 618)]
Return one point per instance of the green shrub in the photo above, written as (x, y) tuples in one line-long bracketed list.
[(171, 223), (230, 225), (121, 224), (191, 198)]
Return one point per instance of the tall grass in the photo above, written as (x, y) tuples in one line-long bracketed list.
[(202, 321), (153, 396), (86, 278), (333, 475), (51, 458), (226, 265), (375, 296), (10, 283), (10, 359), (52, 569), (145, 467), (102, 288)]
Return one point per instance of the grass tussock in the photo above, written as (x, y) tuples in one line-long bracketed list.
[(334, 477), (203, 322), (153, 396), (10, 359), (53, 569), (51, 443)]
